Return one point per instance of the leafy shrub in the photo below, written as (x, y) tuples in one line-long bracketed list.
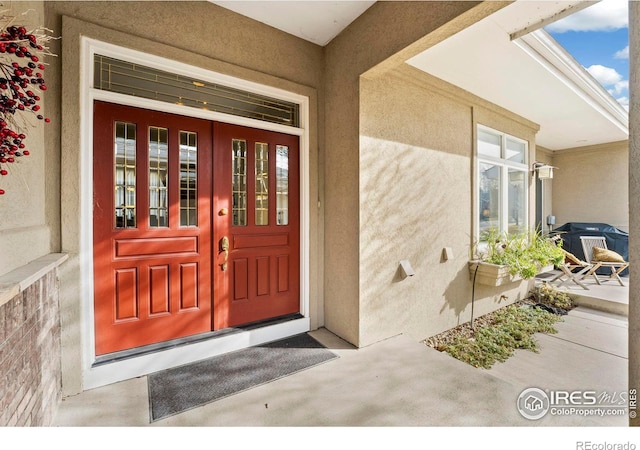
[(511, 328), (549, 295)]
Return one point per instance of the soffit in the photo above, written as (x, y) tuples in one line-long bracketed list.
[(315, 21), (532, 76), (522, 75)]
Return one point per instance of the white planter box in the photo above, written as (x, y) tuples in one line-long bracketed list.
[(491, 274), (495, 275)]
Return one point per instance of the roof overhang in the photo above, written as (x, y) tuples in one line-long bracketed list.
[(505, 58), (532, 76)]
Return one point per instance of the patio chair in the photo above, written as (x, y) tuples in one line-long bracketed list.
[(572, 269), (596, 253)]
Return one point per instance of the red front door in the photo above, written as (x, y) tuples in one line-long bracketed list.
[(256, 225), (152, 227), (160, 222)]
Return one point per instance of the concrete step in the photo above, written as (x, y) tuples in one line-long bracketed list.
[(609, 296)]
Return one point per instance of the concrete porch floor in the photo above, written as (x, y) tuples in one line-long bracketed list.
[(397, 382)]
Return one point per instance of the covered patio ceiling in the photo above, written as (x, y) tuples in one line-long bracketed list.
[(314, 21), (531, 74)]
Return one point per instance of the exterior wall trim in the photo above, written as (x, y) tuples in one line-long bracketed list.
[(109, 373), (543, 48), (596, 148)]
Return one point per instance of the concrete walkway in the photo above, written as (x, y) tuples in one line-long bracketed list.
[(589, 353), (397, 382)]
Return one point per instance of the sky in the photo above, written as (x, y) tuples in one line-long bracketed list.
[(598, 38)]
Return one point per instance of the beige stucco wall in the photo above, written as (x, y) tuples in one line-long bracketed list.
[(382, 38), (24, 231), (416, 198), (591, 185), (196, 33)]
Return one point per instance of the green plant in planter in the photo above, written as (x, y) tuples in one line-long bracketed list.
[(525, 254)]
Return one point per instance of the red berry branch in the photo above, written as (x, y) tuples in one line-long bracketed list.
[(21, 83)]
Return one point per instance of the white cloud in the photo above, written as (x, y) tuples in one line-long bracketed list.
[(624, 101), (619, 88), (622, 54), (612, 81), (605, 75), (607, 15)]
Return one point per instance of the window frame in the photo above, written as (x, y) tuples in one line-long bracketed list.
[(504, 164)]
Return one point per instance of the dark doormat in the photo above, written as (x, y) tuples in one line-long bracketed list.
[(186, 387)]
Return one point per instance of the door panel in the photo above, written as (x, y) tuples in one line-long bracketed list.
[(256, 208), (152, 227)]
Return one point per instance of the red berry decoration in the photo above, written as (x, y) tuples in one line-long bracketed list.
[(20, 54)]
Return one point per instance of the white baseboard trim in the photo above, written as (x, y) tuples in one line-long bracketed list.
[(116, 371)]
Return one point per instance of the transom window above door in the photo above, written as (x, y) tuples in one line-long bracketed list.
[(502, 183), (115, 75)]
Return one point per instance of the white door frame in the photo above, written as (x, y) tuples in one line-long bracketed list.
[(99, 375)]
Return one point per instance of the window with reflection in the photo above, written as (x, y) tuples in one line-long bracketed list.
[(188, 179), (503, 187), (262, 183), (239, 182), (158, 167), (125, 175), (135, 79), (490, 199), (282, 184)]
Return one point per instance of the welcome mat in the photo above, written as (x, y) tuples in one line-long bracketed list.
[(186, 387)]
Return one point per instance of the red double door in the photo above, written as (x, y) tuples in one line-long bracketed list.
[(195, 226)]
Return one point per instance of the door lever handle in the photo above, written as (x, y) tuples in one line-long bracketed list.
[(224, 249)]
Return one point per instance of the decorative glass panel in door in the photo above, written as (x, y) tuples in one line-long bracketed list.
[(125, 175), (158, 168), (188, 179), (262, 183), (282, 184), (239, 187)]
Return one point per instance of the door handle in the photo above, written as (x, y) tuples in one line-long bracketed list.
[(224, 249)]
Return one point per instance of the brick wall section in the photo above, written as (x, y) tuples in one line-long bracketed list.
[(30, 371)]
